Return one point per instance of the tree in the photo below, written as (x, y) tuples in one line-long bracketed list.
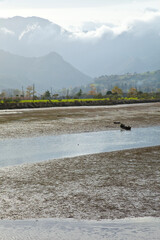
[(55, 95), (47, 94), (79, 94), (117, 91), (132, 92), (30, 91), (99, 95), (109, 93), (93, 90), (16, 93), (3, 94)]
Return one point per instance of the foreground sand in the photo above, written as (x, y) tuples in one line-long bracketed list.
[(99, 186)]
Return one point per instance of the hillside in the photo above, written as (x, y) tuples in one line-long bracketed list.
[(147, 81), (45, 72)]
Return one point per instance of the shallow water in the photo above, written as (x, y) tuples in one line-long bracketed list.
[(69, 229), (36, 149)]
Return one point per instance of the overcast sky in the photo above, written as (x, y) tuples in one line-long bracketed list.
[(74, 12)]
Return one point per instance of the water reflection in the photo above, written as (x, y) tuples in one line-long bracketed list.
[(60, 229), (36, 149)]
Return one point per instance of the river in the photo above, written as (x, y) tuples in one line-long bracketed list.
[(35, 149), (146, 228)]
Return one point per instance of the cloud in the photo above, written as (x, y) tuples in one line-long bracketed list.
[(96, 32), (62, 3), (95, 48), (152, 10), (37, 33), (148, 26), (40, 30), (92, 31), (6, 31), (29, 28), (56, 4)]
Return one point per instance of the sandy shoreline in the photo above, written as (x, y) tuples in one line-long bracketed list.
[(99, 186)]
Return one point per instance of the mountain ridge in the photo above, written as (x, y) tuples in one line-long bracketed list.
[(101, 50), (45, 72)]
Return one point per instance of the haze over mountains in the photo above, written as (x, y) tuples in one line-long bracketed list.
[(45, 72), (98, 49)]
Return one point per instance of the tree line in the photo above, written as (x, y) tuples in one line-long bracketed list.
[(115, 93)]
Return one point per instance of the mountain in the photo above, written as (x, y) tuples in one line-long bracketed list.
[(45, 72), (31, 36), (96, 49)]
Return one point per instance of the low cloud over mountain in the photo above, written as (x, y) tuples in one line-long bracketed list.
[(96, 49)]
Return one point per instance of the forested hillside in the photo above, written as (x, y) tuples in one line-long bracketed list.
[(146, 82)]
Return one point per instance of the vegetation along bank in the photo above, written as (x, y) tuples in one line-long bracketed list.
[(70, 102)]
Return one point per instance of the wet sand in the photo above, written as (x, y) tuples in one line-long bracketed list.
[(99, 186), (49, 121)]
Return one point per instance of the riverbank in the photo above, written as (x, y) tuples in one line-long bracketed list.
[(48, 121), (70, 103), (99, 186)]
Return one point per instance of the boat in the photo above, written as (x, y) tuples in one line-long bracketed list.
[(122, 126)]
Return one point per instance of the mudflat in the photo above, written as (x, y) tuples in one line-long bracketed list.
[(99, 186), (34, 122)]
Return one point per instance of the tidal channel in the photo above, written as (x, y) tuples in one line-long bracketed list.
[(36, 149)]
